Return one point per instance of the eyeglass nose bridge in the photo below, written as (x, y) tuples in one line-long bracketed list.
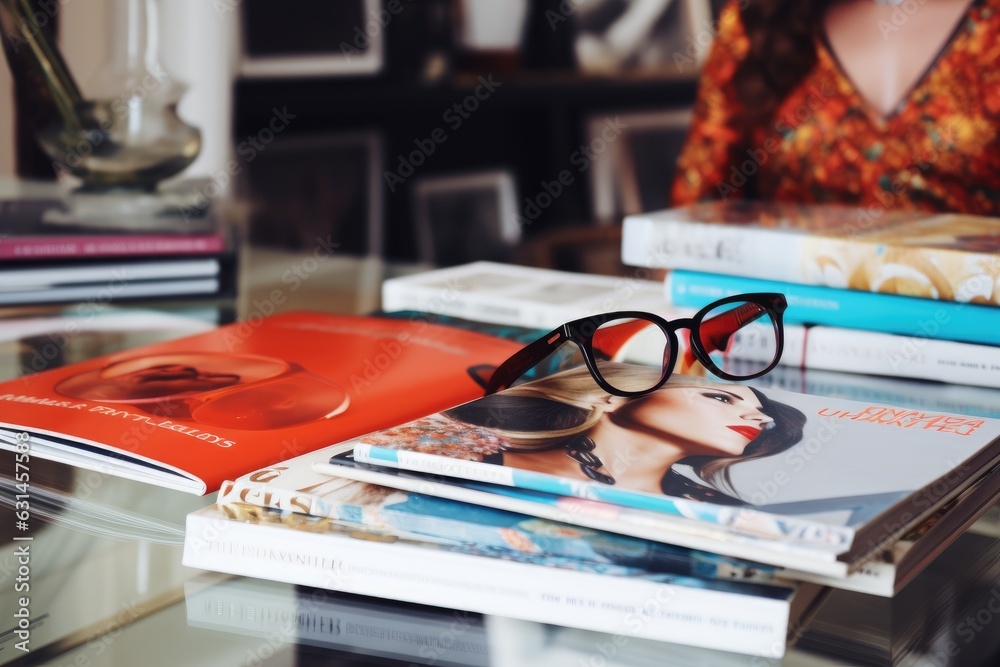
[(695, 342)]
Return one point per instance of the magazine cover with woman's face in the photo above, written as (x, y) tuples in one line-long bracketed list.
[(829, 461)]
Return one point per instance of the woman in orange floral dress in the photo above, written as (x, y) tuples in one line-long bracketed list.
[(845, 102)]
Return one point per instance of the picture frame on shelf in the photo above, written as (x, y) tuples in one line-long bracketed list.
[(464, 218), (634, 173), (642, 37), (320, 192), (490, 35), (311, 38)]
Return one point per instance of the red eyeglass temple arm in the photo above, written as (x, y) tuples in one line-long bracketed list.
[(609, 340), (716, 332), (515, 366)]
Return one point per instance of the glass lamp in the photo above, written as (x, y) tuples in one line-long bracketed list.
[(121, 136)]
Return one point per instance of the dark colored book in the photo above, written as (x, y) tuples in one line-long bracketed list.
[(49, 257), (33, 229)]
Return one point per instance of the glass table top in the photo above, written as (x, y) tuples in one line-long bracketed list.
[(107, 590)]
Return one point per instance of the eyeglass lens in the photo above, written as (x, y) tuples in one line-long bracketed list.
[(642, 353), (739, 338)]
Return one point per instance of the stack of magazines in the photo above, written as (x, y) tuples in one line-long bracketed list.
[(360, 455), (731, 546)]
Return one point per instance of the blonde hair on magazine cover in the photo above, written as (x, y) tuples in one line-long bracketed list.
[(561, 411)]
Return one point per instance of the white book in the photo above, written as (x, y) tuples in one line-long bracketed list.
[(877, 353), (519, 295), (84, 274), (942, 256), (730, 616), (102, 291)]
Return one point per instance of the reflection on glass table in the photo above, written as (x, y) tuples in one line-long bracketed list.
[(103, 600)]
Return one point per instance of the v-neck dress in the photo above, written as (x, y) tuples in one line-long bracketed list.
[(939, 150)]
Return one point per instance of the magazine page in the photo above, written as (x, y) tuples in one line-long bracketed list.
[(648, 525), (193, 412), (804, 468), (296, 486)]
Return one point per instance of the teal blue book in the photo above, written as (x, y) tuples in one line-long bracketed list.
[(810, 304)]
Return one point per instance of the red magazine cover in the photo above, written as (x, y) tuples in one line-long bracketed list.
[(191, 413)]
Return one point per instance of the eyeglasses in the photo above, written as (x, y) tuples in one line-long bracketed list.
[(750, 322)]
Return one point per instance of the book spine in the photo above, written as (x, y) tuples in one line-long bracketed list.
[(530, 298), (730, 249), (627, 606), (857, 351), (741, 520), (41, 247), (873, 578), (850, 309), (489, 306), (797, 256), (398, 295), (98, 292)]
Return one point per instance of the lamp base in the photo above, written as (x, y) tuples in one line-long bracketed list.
[(179, 206)]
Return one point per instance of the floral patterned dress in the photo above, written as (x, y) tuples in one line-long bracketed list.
[(938, 151)]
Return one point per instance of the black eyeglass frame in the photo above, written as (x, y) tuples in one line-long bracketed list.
[(581, 333)]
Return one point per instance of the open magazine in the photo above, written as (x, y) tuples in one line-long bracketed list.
[(810, 472), (189, 413)]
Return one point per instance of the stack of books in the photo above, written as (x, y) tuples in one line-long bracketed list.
[(823, 360), (47, 257), (899, 294), (463, 529)]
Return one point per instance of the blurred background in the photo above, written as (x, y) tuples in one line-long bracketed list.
[(439, 131)]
